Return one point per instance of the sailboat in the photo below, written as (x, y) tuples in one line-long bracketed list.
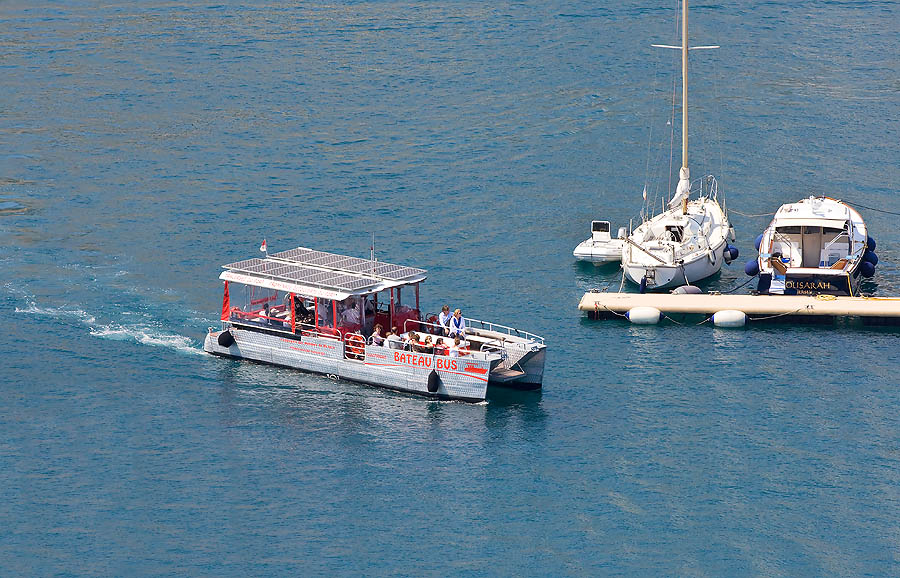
[(689, 241)]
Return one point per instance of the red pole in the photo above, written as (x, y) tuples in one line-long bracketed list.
[(316, 313), (226, 304), (417, 300), (392, 307), (334, 314), (293, 316)]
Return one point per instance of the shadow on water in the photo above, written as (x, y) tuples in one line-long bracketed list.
[(602, 269), (299, 396), (505, 405)]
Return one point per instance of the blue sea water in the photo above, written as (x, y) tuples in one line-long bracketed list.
[(145, 144)]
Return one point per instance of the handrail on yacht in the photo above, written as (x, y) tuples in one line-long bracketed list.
[(496, 327), (846, 237), (485, 325), (633, 244)]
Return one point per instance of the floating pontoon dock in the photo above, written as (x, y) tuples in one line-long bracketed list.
[(795, 308)]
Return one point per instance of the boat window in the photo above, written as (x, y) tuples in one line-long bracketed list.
[(790, 230), (326, 312), (255, 305), (675, 233), (600, 227), (833, 230), (812, 230)]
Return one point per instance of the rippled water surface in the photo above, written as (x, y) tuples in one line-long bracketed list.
[(144, 144)]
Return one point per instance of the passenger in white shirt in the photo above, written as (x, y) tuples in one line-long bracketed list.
[(457, 325), (393, 341), (454, 349), (444, 319)]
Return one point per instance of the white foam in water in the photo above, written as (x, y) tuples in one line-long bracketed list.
[(139, 333), (58, 313), (147, 336)]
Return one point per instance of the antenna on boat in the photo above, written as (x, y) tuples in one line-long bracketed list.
[(684, 175), (372, 249)]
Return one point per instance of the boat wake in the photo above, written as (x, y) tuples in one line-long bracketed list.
[(141, 332), (147, 336)]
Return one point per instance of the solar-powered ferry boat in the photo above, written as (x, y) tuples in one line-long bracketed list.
[(316, 311)]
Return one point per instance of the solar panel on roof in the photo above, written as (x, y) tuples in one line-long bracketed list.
[(350, 264), (308, 275), (244, 263)]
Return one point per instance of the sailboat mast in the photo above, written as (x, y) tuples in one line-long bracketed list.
[(684, 82)]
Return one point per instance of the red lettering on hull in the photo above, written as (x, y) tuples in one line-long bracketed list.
[(417, 360)]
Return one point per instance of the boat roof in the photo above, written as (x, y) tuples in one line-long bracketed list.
[(814, 211), (320, 274)]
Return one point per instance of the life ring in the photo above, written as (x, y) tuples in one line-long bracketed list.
[(356, 346)]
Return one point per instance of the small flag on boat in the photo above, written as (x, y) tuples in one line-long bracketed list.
[(263, 247), (645, 192)]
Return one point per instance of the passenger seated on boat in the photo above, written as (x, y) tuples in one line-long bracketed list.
[(376, 338), (457, 325), (428, 346), (444, 319), (393, 341), (325, 313), (301, 313), (350, 314), (455, 348), (411, 342), (439, 347)]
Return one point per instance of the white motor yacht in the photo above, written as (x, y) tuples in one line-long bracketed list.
[(815, 246)]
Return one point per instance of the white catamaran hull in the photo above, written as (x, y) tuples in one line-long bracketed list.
[(462, 378)]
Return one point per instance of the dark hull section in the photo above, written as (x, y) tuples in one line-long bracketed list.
[(812, 284), (516, 385)]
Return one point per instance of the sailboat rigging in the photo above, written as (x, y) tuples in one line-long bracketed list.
[(689, 241)]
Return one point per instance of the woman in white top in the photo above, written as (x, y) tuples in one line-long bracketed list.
[(457, 325)]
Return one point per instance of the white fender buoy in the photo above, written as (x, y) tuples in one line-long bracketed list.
[(643, 315), (729, 318)]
